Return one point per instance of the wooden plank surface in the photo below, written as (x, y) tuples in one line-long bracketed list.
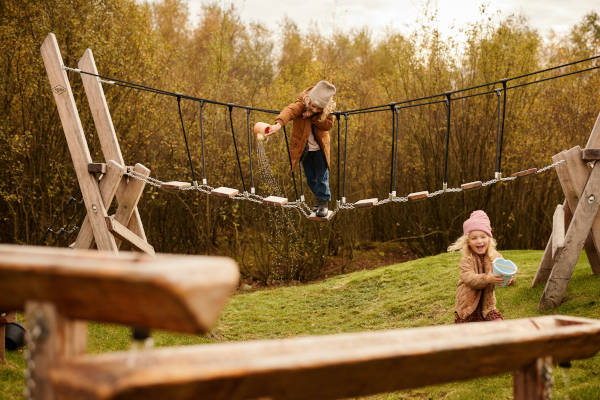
[(525, 172), (69, 117), (175, 185), (327, 367), (471, 185), (313, 216), (121, 231), (179, 293), (558, 229), (106, 130), (565, 260), (275, 200), (590, 154), (418, 195), (366, 203), (224, 192)]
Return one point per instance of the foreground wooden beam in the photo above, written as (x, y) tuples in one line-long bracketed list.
[(178, 293), (327, 367)]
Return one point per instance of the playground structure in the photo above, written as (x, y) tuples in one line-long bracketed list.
[(576, 224), (186, 293)]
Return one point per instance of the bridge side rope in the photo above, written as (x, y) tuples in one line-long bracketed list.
[(394, 106)]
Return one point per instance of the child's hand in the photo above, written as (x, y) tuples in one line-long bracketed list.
[(497, 279), (272, 129), (511, 280)]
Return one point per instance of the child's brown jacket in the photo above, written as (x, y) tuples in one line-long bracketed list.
[(475, 279)]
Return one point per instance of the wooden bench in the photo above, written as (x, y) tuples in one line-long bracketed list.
[(186, 293)]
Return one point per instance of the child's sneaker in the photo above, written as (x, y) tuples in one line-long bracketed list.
[(322, 210)]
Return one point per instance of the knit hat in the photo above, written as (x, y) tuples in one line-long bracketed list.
[(478, 221), (321, 94)]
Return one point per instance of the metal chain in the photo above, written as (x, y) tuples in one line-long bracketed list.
[(301, 204)]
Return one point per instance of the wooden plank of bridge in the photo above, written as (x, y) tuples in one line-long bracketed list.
[(106, 130), (179, 293), (579, 229), (69, 117), (328, 367)]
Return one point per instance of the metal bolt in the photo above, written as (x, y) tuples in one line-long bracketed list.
[(591, 199), (94, 208), (3, 315)]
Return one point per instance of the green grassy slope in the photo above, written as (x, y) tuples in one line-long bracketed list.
[(415, 293)]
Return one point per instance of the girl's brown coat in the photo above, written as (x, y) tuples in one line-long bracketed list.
[(475, 278), (302, 127)]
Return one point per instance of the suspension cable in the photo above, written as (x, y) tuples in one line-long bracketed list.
[(237, 154), (397, 119), (204, 181), (187, 147), (502, 129), (449, 110), (337, 116), (345, 156), (498, 124), (252, 189), (287, 146)]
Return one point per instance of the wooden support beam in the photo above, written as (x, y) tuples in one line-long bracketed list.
[(327, 367), (533, 381), (275, 200), (573, 175), (129, 200), (590, 154), (178, 293), (175, 185), (125, 234), (558, 229), (69, 117), (97, 168), (224, 192), (565, 260), (106, 130), (108, 187), (594, 138), (366, 203), (526, 172), (471, 185), (418, 195)]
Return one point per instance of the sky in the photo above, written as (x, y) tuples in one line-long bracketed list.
[(404, 15)]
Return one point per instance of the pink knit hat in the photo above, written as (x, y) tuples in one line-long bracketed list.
[(478, 221)]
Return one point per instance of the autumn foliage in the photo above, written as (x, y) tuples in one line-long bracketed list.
[(226, 59)]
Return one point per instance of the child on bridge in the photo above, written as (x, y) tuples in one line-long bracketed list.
[(311, 113), (475, 297)]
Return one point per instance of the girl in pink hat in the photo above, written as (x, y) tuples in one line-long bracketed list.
[(475, 297)]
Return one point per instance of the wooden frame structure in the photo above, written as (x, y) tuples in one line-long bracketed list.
[(186, 294), (576, 224)]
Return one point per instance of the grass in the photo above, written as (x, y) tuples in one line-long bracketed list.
[(415, 293)]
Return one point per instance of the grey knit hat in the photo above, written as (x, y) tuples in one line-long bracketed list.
[(321, 94)]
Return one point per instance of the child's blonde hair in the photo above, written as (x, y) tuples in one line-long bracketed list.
[(462, 243)]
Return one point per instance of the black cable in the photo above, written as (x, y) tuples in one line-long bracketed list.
[(345, 155), (237, 154), (337, 116), (449, 110), (553, 77), (502, 128), (187, 146), (396, 116), (499, 119), (392, 108), (287, 146), (202, 144), (249, 149)]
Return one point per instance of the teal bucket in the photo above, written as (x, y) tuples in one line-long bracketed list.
[(503, 267)]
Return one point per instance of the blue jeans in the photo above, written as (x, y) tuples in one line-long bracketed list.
[(317, 174)]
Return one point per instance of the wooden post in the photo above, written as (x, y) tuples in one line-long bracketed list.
[(106, 132), (128, 199), (564, 263), (76, 141), (558, 229), (534, 381)]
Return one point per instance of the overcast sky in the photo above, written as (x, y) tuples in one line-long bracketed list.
[(402, 15)]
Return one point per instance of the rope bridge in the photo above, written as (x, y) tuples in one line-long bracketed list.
[(499, 88)]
